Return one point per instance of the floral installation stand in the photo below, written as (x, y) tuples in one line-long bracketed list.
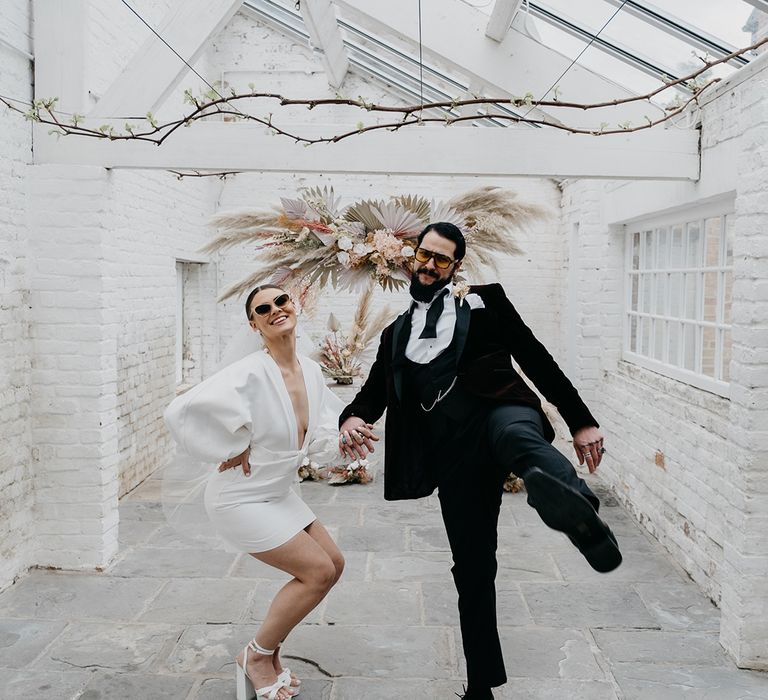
[(311, 241)]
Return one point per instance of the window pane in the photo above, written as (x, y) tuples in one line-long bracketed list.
[(645, 336), (710, 296), (645, 291), (726, 355), (708, 352), (693, 245), (691, 295), (729, 241), (675, 294), (660, 339), (727, 297), (712, 232), (675, 330), (646, 259), (689, 347), (633, 333), (661, 294), (662, 252), (676, 254), (633, 298), (636, 250)]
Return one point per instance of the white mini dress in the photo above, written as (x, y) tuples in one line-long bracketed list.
[(247, 403)]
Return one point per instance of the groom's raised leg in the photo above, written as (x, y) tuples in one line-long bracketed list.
[(562, 499)]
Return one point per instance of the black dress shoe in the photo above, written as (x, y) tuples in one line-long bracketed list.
[(565, 509)]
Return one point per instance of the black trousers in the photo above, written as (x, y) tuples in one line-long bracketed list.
[(470, 500)]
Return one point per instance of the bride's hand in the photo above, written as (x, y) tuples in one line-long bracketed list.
[(240, 461)]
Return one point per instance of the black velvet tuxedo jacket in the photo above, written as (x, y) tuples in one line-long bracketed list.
[(486, 340)]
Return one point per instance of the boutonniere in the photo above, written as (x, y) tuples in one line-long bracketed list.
[(460, 290)]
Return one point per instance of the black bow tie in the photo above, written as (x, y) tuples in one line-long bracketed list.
[(433, 314)]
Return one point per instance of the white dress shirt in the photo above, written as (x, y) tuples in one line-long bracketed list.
[(424, 350)]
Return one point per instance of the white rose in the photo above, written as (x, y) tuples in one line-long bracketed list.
[(343, 258), (407, 251), (360, 249), (344, 243)]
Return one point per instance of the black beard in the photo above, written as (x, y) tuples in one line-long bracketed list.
[(426, 292)]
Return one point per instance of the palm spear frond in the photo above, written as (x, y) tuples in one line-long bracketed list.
[(443, 211), (363, 212), (323, 201), (401, 221), (418, 205)]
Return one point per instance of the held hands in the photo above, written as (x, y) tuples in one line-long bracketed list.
[(356, 438), (588, 443), (240, 461)]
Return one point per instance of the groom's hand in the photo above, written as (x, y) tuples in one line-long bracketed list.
[(356, 438)]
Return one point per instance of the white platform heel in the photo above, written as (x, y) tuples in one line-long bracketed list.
[(288, 680), (245, 689)]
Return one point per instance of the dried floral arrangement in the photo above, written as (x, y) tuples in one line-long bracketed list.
[(339, 355), (311, 241), (353, 473)]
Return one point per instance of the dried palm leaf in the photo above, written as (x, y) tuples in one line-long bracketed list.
[(401, 221), (418, 205), (363, 212)]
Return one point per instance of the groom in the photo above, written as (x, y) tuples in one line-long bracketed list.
[(460, 419)]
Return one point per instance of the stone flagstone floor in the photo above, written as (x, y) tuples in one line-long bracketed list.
[(165, 621)]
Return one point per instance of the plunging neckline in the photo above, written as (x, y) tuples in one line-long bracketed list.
[(289, 402)]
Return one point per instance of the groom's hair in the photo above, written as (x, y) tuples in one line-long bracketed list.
[(449, 231), (253, 293)]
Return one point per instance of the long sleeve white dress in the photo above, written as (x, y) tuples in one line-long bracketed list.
[(247, 403)]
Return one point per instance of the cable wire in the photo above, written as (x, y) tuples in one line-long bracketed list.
[(573, 62)]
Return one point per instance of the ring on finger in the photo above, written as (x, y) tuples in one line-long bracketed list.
[(343, 439)]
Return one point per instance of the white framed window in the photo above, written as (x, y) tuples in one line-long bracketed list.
[(679, 284)]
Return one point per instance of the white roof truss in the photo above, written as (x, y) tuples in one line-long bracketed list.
[(60, 48), (324, 33), (653, 154), (155, 71), (502, 16)]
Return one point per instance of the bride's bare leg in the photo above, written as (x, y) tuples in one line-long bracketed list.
[(317, 532), (314, 573)]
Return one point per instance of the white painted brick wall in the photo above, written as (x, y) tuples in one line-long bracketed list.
[(707, 500), (16, 473), (745, 566)]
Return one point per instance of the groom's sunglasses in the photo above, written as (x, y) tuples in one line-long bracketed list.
[(424, 256), (278, 302)]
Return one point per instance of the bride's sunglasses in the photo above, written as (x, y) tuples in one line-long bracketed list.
[(279, 302), (424, 256)]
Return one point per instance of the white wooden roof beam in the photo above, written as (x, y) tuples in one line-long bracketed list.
[(60, 45), (654, 154), (320, 20), (502, 16), (454, 33), (155, 70)]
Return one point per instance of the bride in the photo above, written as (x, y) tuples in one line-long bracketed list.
[(264, 415)]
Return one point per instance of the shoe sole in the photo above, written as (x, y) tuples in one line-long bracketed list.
[(567, 511)]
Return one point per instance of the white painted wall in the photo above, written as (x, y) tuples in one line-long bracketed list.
[(16, 476), (689, 464)]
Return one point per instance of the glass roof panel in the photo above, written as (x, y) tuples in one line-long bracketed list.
[(633, 34)]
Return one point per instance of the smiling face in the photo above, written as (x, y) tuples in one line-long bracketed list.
[(427, 277), (271, 314)]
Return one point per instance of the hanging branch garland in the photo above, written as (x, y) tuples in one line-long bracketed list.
[(44, 111)]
